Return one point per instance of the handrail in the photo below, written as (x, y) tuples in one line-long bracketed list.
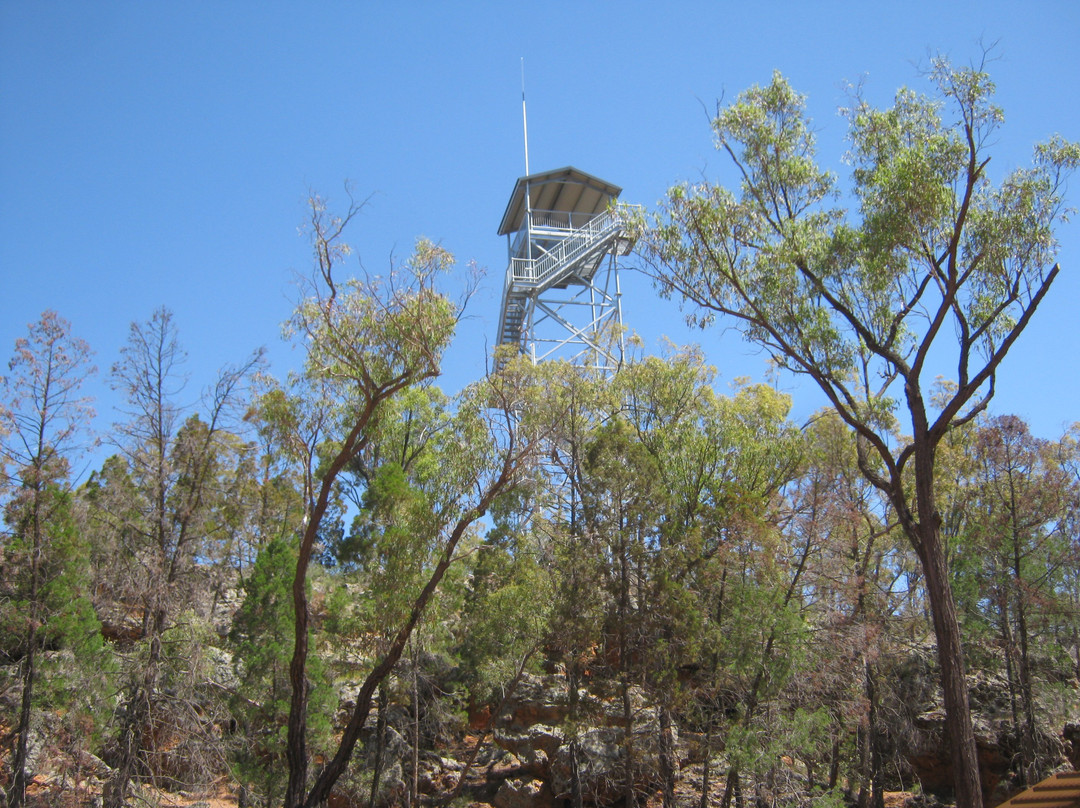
[(560, 219), (570, 248)]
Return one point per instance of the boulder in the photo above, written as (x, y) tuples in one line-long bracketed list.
[(534, 747), (530, 793)]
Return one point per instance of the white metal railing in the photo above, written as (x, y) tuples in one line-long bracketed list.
[(535, 272), (546, 220), (559, 219)]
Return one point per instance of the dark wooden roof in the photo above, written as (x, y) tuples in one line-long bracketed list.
[(1058, 791)]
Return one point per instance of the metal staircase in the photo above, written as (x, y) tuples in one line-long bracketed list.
[(579, 250), (512, 322), (573, 259)]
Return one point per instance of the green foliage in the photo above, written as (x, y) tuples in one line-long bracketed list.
[(507, 609), (645, 532), (261, 640), (937, 265), (374, 334), (58, 609), (835, 296)]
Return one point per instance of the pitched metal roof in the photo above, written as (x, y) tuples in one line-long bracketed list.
[(564, 189), (1061, 790)]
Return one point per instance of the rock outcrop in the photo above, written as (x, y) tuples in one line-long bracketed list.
[(921, 741)]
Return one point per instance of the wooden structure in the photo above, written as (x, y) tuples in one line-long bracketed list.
[(1061, 790)]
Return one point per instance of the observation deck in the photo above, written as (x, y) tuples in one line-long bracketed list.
[(562, 231)]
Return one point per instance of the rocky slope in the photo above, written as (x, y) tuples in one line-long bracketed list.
[(526, 756)]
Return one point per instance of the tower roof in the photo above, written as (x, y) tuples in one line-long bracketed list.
[(567, 190)]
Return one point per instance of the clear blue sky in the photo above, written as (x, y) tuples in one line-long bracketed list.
[(160, 153)]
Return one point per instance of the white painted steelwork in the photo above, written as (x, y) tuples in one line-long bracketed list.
[(561, 295)]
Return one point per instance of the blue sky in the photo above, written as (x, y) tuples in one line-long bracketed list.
[(160, 153)]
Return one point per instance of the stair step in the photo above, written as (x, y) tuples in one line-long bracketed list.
[(572, 261)]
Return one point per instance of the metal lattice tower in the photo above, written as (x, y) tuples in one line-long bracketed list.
[(561, 297)]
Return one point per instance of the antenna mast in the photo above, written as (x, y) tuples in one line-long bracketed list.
[(528, 192), (524, 119)]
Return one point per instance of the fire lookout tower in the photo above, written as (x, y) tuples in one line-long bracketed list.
[(561, 297)]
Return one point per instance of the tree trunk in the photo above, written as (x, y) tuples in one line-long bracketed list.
[(296, 728), (877, 765), (380, 742), (871, 794), (667, 757), (1010, 655), (628, 745), (706, 762), (1028, 753), (834, 762), (577, 799), (414, 780), (18, 766), (336, 766), (923, 529), (958, 728), (136, 717), (731, 787), (862, 740)]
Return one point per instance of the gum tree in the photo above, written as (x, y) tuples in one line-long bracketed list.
[(935, 267), (368, 340)]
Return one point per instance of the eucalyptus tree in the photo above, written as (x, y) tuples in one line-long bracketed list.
[(721, 463), (937, 265), (367, 341), (485, 451), (44, 424)]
